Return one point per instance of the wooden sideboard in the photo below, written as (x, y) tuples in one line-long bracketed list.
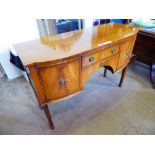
[(144, 50), (58, 66)]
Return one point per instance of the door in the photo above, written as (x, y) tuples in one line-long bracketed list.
[(125, 53), (59, 80)]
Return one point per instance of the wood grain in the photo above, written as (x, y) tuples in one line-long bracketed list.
[(52, 76), (99, 55), (125, 52), (72, 43), (60, 65), (144, 50), (88, 71)]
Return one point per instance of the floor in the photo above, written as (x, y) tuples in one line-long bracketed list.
[(102, 108)]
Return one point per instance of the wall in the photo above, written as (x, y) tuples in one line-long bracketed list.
[(10, 70), (15, 31), (88, 23)]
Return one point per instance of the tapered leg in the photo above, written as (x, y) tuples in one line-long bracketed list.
[(105, 72), (122, 76), (152, 75), (41, 107), (48, 115)]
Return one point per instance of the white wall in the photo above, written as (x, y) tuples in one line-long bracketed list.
[(15, 31), (10, 70), (88, 23)]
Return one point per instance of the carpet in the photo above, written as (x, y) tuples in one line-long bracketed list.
[(102, 108)]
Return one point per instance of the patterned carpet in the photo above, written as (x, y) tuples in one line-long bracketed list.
[(102, 108)]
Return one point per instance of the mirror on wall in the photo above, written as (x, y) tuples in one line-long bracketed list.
[(49, 27)]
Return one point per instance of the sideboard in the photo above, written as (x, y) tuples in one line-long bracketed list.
[(58, 66), (144, 50)]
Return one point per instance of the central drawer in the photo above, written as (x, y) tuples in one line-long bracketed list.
[(100, 55), (59, 80)]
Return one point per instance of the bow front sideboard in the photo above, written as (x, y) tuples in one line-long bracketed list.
[(58, 66)]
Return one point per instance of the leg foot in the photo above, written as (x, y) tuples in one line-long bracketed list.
[(48, 115), (152, 75), (105, 72), (52, 127), (122, 76)]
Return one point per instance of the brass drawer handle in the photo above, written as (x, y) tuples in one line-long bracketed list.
[(91, 59), (62, 82), (113, 50)]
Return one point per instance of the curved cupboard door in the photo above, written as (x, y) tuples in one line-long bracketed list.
[(59, 80), (125, 53)]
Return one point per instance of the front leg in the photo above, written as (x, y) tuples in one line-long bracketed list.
[(105, 72), (122, 76), (152, 75), (48, 115)]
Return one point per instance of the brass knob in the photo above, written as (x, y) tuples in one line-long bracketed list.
[(127, 53), (62, 82), (113, 50), (91, 59)]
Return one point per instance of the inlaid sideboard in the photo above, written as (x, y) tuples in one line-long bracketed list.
[(58, 66)]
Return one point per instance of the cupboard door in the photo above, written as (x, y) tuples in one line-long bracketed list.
[(125, 53), (59, 80)]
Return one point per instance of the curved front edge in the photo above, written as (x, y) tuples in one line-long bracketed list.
[(60, 80), (88, 71)]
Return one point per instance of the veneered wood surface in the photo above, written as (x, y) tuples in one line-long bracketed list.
[(65, 57), (60, 65), (52, 75), (88, 71), (73, 43), (100, 55), (125, 52)]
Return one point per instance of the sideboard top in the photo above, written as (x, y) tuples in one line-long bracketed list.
[(71, 43)]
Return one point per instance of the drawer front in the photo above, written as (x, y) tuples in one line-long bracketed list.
[(100, 55), (60, 80), (106, 53), (125, 53), (87, 72)]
